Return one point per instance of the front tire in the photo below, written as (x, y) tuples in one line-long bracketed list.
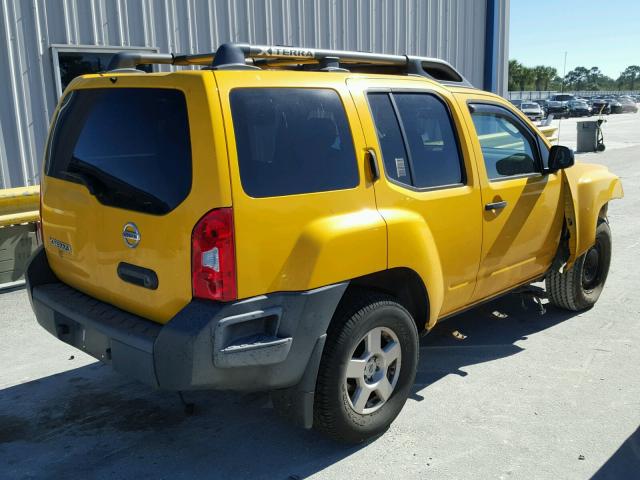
[(367, 369), (579, 287)]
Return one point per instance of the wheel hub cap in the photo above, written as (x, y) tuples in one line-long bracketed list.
[(591, 268), (373, 370)]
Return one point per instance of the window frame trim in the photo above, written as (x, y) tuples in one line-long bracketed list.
[(58, 48), (461, 159), (542, 171)]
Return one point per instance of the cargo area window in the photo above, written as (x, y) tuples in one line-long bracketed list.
[(129, 146), (417, 139), (292, 141), (508, 148)]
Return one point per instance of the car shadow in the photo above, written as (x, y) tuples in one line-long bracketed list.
[(488, 332), (624, 463), (92, 423)]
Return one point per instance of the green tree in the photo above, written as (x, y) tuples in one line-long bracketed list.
[(515, 70), (543, 76), (630, 75), (539, 73), (526, 79), (577, 78)]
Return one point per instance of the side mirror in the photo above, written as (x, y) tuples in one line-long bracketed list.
[(560, 157)]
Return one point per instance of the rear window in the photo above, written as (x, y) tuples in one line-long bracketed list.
[(129, 146), (291, 141)]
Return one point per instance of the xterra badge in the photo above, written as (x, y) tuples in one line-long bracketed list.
[(65, 247)]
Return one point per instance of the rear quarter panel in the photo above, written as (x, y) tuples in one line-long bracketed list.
[(302, 241)]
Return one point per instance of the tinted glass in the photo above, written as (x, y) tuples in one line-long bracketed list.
[(394, 154), (507, 148), (435, 159), (292, 140), (73, 64), (130, 147)]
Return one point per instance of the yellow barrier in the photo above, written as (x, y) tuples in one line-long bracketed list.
[(550, 132), (19, 205)]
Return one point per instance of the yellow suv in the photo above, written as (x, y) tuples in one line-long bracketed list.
[(289, 219)]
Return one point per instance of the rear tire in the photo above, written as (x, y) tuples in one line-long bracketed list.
[(579, 287), (367, 369)]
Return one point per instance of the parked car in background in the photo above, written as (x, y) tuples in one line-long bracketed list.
[(562, 97), (600, 106), (616, 106), (628, 105), (579, 108), (516, 102), (543, 105), (558, 109), (532, 110)]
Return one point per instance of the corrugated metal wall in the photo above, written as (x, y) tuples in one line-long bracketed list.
[(449, 29)]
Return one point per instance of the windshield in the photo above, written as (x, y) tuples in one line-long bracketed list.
[(530, 105), (129, 147)]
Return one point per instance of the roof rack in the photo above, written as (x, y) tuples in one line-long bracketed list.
[(246, 56)]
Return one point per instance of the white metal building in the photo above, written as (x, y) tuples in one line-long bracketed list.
[(44, 43)]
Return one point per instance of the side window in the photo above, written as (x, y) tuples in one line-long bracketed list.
[(292, 141), (435, 159), (394, 154), (508, 148), (418, 144)]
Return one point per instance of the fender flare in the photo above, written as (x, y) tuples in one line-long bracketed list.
[(587, 189)]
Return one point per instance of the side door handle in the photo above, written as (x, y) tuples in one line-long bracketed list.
[(373, 164), (495, 205)]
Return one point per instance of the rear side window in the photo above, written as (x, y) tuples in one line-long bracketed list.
[(129, 146), (394, 153), (417, 139), (291, 141), (435, 159)]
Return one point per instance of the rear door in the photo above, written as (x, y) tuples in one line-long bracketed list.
[(133, 163), (304, 209), (429, 171)]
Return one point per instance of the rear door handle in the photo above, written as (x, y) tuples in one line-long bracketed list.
[(496, 205), (373, 164), (143, 277)]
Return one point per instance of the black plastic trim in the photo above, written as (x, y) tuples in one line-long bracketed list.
[(262, 343)]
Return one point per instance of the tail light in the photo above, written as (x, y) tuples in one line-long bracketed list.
[(213, 264)]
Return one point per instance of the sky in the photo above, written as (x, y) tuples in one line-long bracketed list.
[(594, 33)]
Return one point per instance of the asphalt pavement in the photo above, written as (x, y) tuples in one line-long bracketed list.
[(524, 396)]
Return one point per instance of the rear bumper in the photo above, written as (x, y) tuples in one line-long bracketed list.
[(260, 343)]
